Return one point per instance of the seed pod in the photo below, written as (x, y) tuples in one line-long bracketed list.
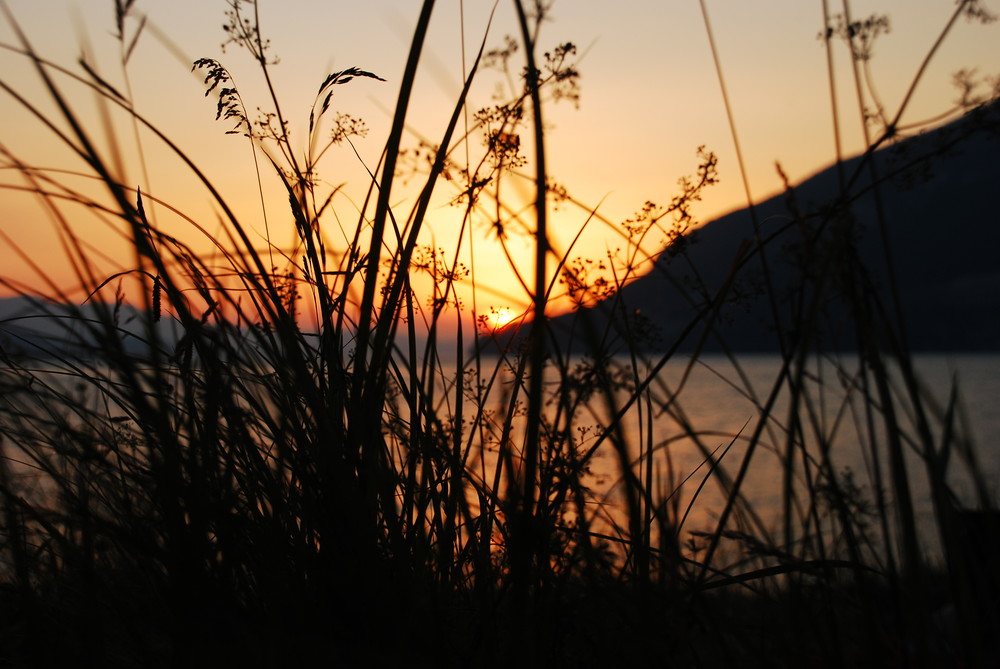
[(157, 290)]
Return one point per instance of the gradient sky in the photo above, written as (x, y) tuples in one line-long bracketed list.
[(649, 98)]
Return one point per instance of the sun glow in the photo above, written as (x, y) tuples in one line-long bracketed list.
[(499, 317)]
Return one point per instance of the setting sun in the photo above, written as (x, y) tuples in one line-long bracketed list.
[(499, 318)]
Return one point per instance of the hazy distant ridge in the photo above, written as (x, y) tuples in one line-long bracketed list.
[(40, 329), (943, 218)]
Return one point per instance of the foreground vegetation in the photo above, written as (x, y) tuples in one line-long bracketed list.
[(295, 466)]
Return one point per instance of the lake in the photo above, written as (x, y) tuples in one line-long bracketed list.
[(710, 409), (714, 406)]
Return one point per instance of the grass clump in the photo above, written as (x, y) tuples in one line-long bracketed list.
[(273, 456)]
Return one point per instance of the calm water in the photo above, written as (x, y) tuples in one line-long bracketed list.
[(710, 398), (719, 405), (722, 405)]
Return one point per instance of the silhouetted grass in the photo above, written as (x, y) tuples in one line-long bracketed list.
[(309, 472)]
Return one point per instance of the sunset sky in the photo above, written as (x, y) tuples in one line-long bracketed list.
[(649, 98)]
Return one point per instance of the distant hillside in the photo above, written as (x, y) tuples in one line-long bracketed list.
[(31, 328), (943, 218)]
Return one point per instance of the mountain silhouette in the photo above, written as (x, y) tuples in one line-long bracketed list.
[(42, 329), (818, 244)]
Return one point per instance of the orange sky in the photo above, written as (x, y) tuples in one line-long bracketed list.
[(649, 99)]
